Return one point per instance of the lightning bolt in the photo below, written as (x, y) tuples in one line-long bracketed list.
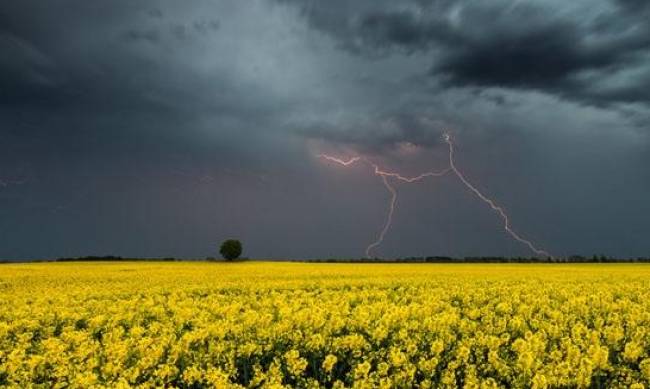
[(340, 161), (385, 175), (389, 217), (499, 210)]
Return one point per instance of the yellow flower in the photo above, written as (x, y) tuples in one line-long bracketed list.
[(329, 362), (192, 374), (632, 352), (540, 382), (644, 366), (361, 370), (295, 364)]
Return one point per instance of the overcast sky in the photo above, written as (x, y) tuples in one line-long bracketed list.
[(160, 128)]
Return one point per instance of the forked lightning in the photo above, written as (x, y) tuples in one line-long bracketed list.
[(385, 175)]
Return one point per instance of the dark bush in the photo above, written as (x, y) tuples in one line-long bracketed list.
[(231, 249)]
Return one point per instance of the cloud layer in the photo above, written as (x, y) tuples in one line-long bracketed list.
[(160, 128)]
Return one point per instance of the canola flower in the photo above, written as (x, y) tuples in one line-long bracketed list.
[(283, 325)]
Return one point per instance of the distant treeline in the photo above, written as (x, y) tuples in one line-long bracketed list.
[(113, 258), (439, 259), (436, 259)]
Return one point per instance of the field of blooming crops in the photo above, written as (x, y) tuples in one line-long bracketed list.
[(278, 325)]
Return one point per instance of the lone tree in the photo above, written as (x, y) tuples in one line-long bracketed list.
[(230, 249)]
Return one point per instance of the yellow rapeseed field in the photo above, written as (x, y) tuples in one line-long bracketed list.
[(278, 325)]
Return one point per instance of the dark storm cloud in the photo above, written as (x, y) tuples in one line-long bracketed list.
[(108, 78), (583, 56), (372, 27), (634, 5), (100, 57), (25, 71)]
